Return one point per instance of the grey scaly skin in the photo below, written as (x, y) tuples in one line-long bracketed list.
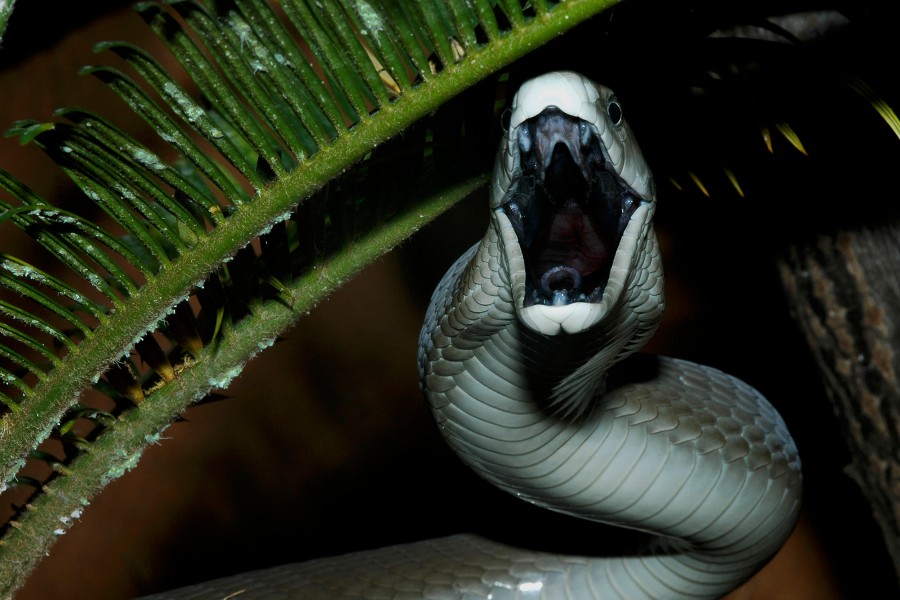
[(514, 359)]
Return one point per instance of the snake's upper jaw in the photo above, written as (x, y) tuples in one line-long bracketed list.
[(569, 209)]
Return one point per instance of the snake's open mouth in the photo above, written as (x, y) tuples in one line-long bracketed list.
[(568, 208)]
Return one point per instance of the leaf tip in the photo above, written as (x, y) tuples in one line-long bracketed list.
[(27, 130)]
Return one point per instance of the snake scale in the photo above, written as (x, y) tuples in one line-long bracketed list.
[(515, 359)]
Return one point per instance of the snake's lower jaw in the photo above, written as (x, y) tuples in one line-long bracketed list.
[(572, 317), (563, 318), (546, 319)]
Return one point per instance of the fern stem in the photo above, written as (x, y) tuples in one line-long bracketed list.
[(224, 100), (330, 51), (23, 271), (135, 153), (302, 131), (225, 47), (488, 18), (347, 36), (29, 342), (115, 336), (167, 128), (309, 84), (461, 19), (406, 36), (118, 450), (438, 31)]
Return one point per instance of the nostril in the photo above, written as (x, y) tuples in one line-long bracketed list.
[(561, 279)]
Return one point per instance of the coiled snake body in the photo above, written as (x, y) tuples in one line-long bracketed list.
[(515, 359)]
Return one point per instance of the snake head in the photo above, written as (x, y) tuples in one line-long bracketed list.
[(572, 199)]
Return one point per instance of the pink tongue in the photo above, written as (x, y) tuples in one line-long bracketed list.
[(573, 242)]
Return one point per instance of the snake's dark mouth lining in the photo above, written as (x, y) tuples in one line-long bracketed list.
[(568, 209)]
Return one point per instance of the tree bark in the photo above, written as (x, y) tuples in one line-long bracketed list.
[(845, 291)]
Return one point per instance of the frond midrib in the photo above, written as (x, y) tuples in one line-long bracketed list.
[(119, 448), (118, 451), (21, 431)]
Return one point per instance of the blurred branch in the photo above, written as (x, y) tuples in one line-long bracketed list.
[(844, 288)]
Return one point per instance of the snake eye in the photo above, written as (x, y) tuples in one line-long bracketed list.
[(614, 111)]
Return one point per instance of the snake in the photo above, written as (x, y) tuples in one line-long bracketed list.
[(528, 357)]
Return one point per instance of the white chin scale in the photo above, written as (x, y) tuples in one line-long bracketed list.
[(568, 318)]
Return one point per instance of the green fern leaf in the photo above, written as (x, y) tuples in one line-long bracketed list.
[(202, 258)]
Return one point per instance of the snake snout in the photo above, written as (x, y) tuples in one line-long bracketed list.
[(551, 134)]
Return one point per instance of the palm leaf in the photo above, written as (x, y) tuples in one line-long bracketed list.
[(6, 9), (170, 295)]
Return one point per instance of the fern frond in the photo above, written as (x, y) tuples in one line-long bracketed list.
[(211, 244), (6, 9)]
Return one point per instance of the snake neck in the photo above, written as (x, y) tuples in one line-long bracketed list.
[(567, 371), (525, 391), (634, 454), (476, 310)]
